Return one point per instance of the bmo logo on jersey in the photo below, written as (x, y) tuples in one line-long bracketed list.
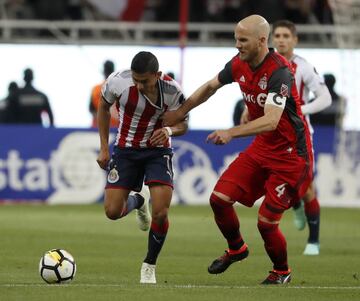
[(259, 99)]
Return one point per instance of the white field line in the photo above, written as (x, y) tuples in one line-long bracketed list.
[(186, 286)]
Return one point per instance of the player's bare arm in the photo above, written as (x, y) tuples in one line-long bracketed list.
[(245, 116), (201, 95), (160, 136), (266, 123), (103, 123)]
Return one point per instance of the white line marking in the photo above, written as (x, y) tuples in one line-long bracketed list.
[(188, 286)]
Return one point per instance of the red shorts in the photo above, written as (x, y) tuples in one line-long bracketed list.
[(283, 179)]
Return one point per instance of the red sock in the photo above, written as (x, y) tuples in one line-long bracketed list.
[(227, 221), (312, 208), (312, 212), (275, 245)]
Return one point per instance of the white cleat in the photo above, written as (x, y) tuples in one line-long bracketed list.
[(143, 216), (147, 274), (312, 249)]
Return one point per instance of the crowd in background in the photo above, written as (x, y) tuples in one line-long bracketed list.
[(223, 11)]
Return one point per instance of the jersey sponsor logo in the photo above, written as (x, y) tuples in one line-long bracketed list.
[(263, 82), (260, 99), (242, 78)]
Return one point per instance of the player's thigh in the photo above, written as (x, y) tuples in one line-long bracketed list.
[(158, 167), (243, 181), (115, 198), (279, 195), (125, 170)]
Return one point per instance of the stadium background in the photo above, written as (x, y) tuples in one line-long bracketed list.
[(41, 166), (66, 52)]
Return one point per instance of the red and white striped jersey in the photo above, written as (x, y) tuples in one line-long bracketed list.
[(307, 80), (138, 116)]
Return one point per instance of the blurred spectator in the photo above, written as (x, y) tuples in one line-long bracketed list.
[(298, 11), (29, 105), (323, 12), (126, 10), (171, 74), (49, 10), (96, 97), (16, 9), (271, 10), (334, 114), (4, 104), (238, 110)]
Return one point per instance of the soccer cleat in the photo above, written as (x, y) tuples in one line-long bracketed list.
[(220, 264), (278, 277), (299, 217), (143, 216), (312, 249), (147, 274)]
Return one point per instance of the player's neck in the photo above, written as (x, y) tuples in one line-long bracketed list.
[(288, 55), (152, 94), (259, 59)]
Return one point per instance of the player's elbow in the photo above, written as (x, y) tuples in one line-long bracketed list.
[(273, 125)]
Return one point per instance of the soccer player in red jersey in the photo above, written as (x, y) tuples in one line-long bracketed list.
[(284, 37), (277, 164), (142, 150)]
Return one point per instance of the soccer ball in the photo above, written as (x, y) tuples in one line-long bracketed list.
[(57, 266)]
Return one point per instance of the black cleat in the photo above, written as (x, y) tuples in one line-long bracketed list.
[(277, 277), (220, 264)]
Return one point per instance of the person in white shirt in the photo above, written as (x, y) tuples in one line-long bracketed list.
[(284, 37)]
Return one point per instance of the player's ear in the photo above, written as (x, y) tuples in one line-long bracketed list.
[(296, 39), (158, 74)]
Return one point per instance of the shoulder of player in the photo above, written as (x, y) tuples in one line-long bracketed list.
[(302, 63), (169, 86), (120, 79)]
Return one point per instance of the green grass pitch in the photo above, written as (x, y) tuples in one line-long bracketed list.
[(109, 255)]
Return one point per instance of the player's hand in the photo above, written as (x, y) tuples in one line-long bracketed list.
[(103, 159), (171, 118), (245, 118), (219, 137), (159, 137)]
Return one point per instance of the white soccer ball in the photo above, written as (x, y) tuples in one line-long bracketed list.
[(57, 266)]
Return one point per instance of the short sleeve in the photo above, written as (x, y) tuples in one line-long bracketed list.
[(225, 75), (113, 87), (281, 82), (313, 81)]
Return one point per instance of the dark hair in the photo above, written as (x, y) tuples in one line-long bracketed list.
[(330, 80), (28, 75), (109, 68), (145, 62), (285, 23)]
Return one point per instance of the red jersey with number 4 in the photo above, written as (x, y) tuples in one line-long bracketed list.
[(284, 155)]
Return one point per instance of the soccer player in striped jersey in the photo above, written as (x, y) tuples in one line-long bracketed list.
[(142, 149), (284, 36), (277, 164)]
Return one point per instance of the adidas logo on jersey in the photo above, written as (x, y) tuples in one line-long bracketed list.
[(242, 78)]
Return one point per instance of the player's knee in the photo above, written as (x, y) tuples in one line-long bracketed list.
[(265, 227), (309, 194), (160, 216), (218, 200), (112, 212)]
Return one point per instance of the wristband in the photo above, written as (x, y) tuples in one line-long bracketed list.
[(168, 129)]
